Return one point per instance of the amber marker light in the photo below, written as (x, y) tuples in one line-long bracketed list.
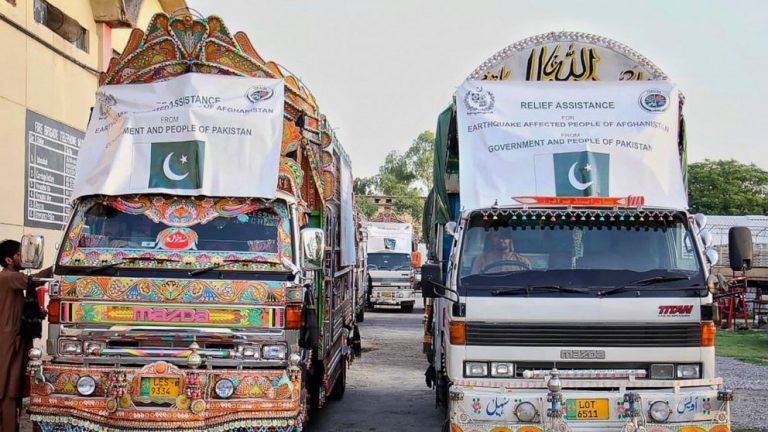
[(54, 311), (293, 317), (458, 333), (708, 331)]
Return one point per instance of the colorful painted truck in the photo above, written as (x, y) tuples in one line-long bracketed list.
[(205, 278), (389, 246), (571, 288)]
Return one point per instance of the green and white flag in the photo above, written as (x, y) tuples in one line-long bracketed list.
[(196, 134)]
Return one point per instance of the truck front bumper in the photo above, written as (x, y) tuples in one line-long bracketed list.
[(161, 397), (392, 296), (499, 409)]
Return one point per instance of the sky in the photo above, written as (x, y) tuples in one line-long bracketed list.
[(382, 70)]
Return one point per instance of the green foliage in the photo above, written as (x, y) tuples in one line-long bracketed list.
[(727, 187), (405, 177), (749, 346), (367, 206), (364, 186)]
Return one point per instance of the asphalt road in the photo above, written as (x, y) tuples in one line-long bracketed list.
[(385, 388)]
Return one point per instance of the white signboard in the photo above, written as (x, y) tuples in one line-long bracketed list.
[(392, 237), (197, 134), (348, 251), (519, 140)]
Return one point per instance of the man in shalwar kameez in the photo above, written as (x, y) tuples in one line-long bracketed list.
[(13, 347)]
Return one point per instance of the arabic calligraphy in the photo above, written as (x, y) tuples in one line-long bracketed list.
[(631, 75), (689, 404), (495, 407), (502, 75), (575, 65)]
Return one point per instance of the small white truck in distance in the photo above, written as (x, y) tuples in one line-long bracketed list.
[(391, 275)]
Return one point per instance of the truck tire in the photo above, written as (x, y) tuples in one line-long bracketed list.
[(340, 386), (740, 248), (407, 308), (360, 315)]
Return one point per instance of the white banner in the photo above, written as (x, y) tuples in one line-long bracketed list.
[(386, 236), (197, 134), (348, 251), (565, 139)]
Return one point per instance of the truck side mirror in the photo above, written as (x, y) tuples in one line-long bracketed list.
[(740, 248), (32, 251), (313, 248), (431, 276)]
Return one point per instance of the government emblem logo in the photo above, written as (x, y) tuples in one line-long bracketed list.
[(654, 100), (479, 101), (259, 93)]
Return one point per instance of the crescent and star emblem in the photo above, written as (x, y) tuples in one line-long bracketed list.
[(575, 182), (169, 172)]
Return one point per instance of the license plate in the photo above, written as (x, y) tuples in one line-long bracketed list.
[(387, 294), (586, 409), (156, 387)]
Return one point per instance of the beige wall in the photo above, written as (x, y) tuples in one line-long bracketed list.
[(34, 77)]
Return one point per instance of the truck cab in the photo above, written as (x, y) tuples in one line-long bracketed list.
[(391, 279)]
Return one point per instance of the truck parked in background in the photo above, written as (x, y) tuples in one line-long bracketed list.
[(389, 246), (205, 279), (570, 289)]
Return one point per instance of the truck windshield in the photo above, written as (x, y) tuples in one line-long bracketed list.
[(389, 261), (175, 232), (512, 254)]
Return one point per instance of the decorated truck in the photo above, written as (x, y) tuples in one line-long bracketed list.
[(388, 258), (569, 288), (205, 278)]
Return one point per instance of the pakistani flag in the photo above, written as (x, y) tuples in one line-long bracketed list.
[(176, 165), (581, 174), (390, 243)]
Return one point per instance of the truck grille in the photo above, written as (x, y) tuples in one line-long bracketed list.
[(584, 334), (390, 281)]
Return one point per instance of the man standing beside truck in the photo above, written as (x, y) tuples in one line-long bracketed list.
[(13, 345)]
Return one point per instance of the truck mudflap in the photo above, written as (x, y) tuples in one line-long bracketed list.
[(508, 409), (161, 397)]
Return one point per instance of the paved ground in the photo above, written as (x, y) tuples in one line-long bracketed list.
[(385, 389)]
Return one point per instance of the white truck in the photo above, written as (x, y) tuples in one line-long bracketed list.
[(570, 288), (390, 273)]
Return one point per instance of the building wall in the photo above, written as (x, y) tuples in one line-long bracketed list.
[(36, 78)]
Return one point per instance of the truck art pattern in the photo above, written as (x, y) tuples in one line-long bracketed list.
[(151, 386)]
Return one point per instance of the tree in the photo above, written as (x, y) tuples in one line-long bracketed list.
[(364, 186), (727, 187), (405, 177), (366, 206)]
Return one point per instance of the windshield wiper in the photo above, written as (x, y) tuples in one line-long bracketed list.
[(126, 260), (226, 263), (528, 289), (650, 281)]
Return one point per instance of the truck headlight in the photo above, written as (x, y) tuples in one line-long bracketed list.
[(660, 411), (688, 371), (94, 348), (502, 369), (273, 352), (86, 385), (224, 388), (249, 351), (525, 412), (475, 369), (662, 371), (70, 347)]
